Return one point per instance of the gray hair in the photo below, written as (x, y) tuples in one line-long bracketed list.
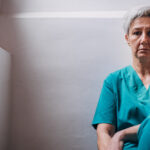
[(131, 15)]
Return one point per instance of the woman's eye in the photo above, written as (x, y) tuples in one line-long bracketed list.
[(137, 33), (148, 33)]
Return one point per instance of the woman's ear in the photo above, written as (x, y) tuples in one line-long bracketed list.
[(127, 39)]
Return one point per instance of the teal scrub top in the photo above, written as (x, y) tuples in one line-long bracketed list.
[(124, 102)]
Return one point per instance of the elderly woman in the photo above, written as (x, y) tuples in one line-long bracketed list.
[(122, 115)]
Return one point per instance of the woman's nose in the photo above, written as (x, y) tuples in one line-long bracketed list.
[(145, 38)]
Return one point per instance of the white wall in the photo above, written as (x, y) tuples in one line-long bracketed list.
[(58, 69), (59, 65), (5, 95)]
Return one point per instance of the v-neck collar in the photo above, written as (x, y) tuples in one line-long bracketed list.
[(138, 82)]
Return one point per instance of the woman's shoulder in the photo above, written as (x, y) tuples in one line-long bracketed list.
[(118, 75)]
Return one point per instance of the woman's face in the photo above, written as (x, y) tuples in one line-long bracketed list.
[(138, 37)]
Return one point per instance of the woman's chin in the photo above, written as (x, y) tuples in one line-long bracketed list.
[(143, 57), (144, 54)]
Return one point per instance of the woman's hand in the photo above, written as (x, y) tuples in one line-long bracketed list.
[(109, 140), (116, 142)]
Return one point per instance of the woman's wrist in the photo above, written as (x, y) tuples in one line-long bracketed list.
[(120, 135), (128, 134)]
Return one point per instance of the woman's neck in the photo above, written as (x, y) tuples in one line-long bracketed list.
[(142, 67)]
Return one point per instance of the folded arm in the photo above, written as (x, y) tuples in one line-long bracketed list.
[(107, 139)]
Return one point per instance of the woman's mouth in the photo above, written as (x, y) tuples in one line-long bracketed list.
[(144, 49)]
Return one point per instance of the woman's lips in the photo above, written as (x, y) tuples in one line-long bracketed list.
[(144, 49)]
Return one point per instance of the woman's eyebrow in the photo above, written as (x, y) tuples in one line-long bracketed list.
[(138, 28)]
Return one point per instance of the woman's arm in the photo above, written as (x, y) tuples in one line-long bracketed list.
[(109, 140), (128, 134), (104, 135)]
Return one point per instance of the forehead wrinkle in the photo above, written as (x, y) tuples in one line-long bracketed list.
[(140, 21), (140, 27)]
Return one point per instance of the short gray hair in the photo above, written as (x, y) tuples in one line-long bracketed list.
[(131, 15)]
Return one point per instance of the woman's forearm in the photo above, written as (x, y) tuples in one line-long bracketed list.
[(103, 141), (105, 133), (108, 140), (118, 139), (128, 134)]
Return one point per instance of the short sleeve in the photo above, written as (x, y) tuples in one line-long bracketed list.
[(106, 108)]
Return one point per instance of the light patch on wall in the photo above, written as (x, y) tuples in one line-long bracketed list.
[(81, 14)]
